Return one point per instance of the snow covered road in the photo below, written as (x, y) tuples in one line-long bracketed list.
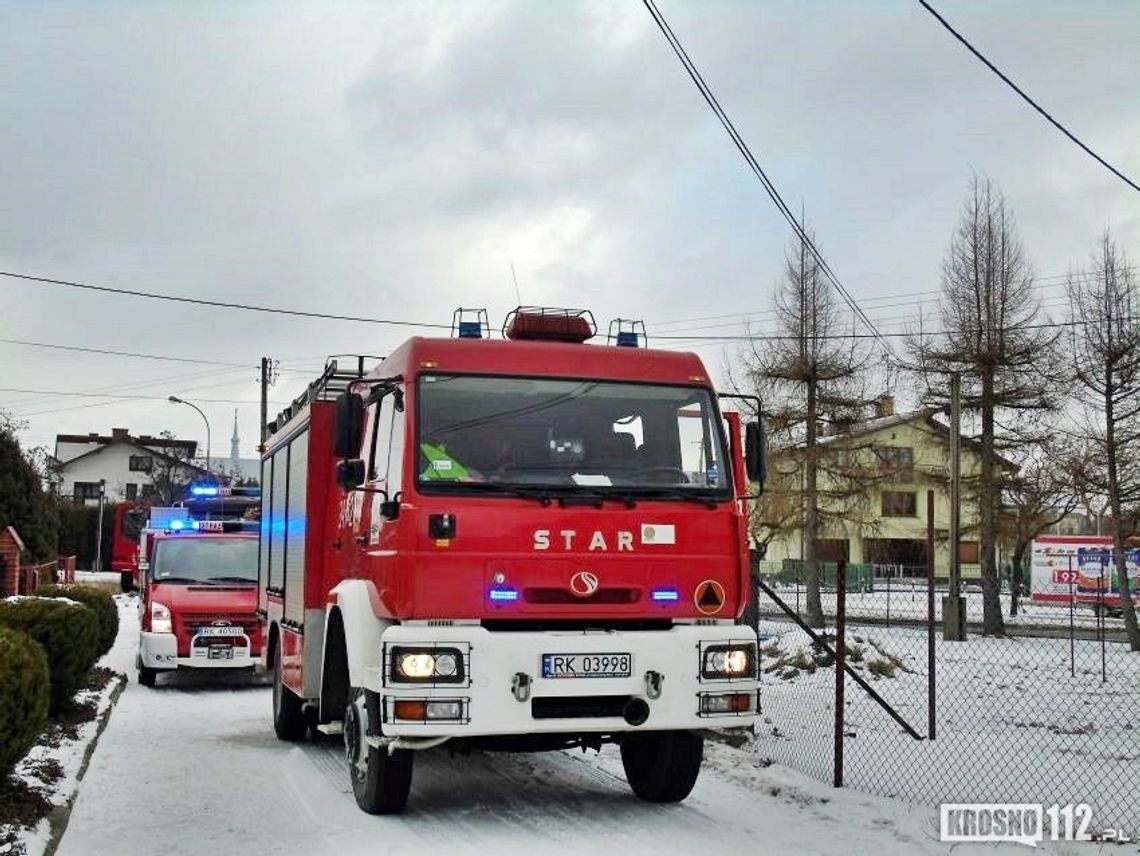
[(193, 767)]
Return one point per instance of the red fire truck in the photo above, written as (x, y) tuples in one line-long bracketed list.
[(130, 520), (522, 544), (198, 604)]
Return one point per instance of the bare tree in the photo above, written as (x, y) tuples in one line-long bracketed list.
[(171, 471), (1105, 335), (1044, 492), (810, 377), (991, 335)]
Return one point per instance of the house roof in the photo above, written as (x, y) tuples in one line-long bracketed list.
[(142, 440), (132, 442)]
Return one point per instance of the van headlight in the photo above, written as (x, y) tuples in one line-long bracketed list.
[(426, 665), (729, 661), (160, 618)]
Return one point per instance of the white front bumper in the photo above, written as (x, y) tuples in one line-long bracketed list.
[(160, 651), (493, 659)]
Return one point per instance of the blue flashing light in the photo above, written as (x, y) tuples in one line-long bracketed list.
[(177, 525), (627, 339), (664, 595), (203, 490), (470, 330), (501, 594), (195, 525)]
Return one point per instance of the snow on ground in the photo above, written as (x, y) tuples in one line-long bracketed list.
[(193, 767), (56, 769), (905, 599), (1013, 724)]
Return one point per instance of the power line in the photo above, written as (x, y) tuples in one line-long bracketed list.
[(56, 347), (775, 337), (746, 152), (56, 392), (248, 307), (1027, 99)]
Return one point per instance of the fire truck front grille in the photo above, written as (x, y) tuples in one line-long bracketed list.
[(192, 621), (561, 595), (578, 707)]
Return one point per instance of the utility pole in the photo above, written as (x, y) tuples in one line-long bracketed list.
[(953, 605), (264, 402), (99, 527)]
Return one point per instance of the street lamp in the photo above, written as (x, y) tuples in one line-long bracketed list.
[(176, 400)]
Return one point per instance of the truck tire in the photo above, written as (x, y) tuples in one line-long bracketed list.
[(381, 779), (147, 676), (288, 711), (662, 766)]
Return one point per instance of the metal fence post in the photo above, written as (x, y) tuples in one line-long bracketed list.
[(930, 708), (840, 662)]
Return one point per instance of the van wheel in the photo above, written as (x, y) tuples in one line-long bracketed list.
[(288, 712), (147, 676), (662, 766), (381, 779)]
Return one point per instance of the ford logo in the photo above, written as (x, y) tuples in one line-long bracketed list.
[(584, 583)]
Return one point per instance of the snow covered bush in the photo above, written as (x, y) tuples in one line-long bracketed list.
[(101, 603), (24, 694), (68, 633)]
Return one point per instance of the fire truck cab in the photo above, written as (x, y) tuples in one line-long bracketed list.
[(520, 544), (198, 600)]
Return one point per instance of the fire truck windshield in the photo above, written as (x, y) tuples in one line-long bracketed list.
[(628, 438), (202, 559)]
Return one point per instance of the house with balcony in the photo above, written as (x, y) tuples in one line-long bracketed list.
[(873, 480)]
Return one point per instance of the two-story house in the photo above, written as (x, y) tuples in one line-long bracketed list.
[(127, 466), (873, 482)]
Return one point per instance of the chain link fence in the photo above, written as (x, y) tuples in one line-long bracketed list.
[(1047, 714)]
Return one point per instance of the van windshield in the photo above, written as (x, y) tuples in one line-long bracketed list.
[(205, 560), (612, 437)]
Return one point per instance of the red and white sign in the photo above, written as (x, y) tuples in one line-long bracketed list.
[(1081, 567)]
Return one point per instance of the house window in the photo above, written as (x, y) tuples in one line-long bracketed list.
[(141, 463), (896, 458), (898, 503), (85, 490), (132, 492)]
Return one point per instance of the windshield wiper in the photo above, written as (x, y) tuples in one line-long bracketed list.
[(595, 499), (686, 496), (182, 580), (541, 494), (233, 580)]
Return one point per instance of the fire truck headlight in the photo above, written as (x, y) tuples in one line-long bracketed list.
[(160, 618), (426, 665), (729, 661)]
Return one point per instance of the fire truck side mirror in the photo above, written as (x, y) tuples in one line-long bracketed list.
[(350, 473), (754, 452), (347, 430)]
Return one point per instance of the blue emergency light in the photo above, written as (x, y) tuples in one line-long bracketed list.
[(664, 595), (177, 525), (203, 490), (504, 594)]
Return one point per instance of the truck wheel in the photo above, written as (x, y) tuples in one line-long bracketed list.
[(380, 779), (662, 766), (147, 676), (288, 713)]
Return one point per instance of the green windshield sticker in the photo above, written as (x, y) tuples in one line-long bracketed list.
[(441, 465)]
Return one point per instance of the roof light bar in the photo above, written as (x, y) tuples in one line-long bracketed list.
[(629, 333), (464, 327), (541, 323)]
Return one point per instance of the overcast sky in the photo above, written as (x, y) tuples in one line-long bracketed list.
[(391, 160)]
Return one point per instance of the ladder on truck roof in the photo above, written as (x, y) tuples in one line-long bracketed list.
[(333, 381)]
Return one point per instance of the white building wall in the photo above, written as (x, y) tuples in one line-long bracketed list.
[(111, 464)]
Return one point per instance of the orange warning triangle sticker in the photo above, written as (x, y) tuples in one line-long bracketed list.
[(709, 597)]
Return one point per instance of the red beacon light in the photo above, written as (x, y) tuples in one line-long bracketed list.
[(538, 323)]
